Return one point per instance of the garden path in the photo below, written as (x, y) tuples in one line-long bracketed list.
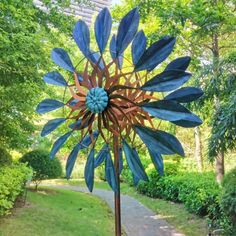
[(137, 220)]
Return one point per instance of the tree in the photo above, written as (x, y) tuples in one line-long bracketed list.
[(206, 29), (224, 121), (43, 167), (27, 35)]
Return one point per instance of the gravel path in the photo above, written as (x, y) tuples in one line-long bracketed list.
[(137, 220)]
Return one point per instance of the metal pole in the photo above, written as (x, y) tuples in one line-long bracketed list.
[(117, 194)]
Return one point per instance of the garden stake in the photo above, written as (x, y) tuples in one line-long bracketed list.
[(117, 193)]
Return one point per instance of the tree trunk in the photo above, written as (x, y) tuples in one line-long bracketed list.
[(198, 149), (216, 57), (220, 170)]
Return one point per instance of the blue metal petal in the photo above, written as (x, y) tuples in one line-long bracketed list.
[(48, 105), (138, 46), (180, 63), (82, 37), (188, 123), (135, 180), (58, 144), (110, 172), (62, 59), (127, 30), (94, 57), (75, 125), (155, 54), (163, 142), (74, 153), (169, 110), (157, 160), (187, 94), (113, 52), (52, 125), (87, 139), (55, 78), (134, 162), (120, 161), (101, 156), (113, 47), (102, 28), (167, 81), (120, 61), (71, 160), (73, 102), (89, 171)]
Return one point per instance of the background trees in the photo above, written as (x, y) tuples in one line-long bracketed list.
[(27, 36), (206, 31)]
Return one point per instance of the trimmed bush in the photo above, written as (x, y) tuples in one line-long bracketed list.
[(42, 165), (5, 158), (12, 180), (228, 199), (197, 191)]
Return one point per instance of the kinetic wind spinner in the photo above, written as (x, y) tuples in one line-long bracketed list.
[(116, 103)]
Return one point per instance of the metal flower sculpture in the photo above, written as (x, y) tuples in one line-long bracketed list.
[(118, 104)]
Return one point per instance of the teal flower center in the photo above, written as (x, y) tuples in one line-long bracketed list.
[(97, 100)]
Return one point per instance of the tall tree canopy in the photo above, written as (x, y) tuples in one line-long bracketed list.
[(206, 30), (27, 35)]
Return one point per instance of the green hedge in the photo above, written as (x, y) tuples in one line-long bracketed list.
[(12, 179), (228, 200), (197, 191)]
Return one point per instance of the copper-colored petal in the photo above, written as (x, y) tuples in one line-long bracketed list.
[(78, 86)]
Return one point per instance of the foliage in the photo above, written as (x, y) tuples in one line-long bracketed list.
[(197, 192), (42, 165), (206, 30), (26, 34), (5, 157), (223, 137), (12, 180), (228, 198)]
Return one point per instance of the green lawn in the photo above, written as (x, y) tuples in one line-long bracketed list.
[(59, 213), (175, 214)]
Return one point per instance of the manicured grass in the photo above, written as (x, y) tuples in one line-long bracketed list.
[(59, 213), (175, 214)]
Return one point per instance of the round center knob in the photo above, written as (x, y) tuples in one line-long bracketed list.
[(96, 100)]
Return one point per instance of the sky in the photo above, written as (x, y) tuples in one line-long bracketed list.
[(115, 2)]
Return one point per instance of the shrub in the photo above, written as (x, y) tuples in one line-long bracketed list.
[(42, 165), (5, 157), (100, 172), (197, 191), (228, 199), (155, 187), (12, 180)]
